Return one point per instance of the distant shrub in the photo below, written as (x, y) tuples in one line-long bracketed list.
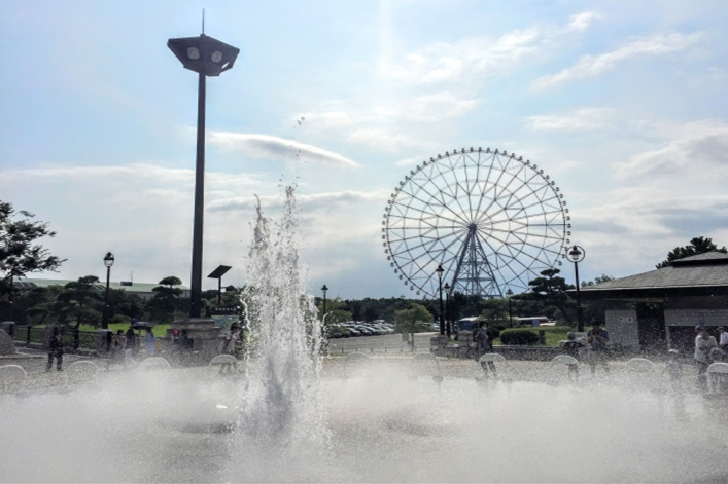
[(519, 338)]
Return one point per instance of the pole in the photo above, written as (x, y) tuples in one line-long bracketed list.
[(510, 313), (447, 313), (580, 322), (442, 311), (196, 283), (105, 322), (219, 290)]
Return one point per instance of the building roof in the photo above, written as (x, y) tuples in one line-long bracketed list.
[(698, 275), (133, 287)]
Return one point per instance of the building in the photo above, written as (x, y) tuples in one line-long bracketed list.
[(661, 308), (142, 290)]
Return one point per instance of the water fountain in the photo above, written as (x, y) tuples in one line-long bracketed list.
[(285, 417)]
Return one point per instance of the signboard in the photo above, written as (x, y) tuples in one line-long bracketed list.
[(225, 310)]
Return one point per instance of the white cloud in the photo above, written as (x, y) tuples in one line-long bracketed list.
[(481, 56), (580, 22), (271, 147), (591, 66), (699, 152), (585, 119)]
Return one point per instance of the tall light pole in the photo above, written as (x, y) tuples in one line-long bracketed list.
[(439, 271), (576, 254), (448, 323), (509, 293), (207, 57), (108, 262), (323, 313)]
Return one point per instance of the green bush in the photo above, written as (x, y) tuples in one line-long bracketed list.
[(519, 338)]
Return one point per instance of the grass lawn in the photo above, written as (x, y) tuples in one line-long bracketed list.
[(158, 330), (554, 334)]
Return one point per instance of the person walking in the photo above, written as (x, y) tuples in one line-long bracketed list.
[(597, 339), (704, 342), (55, 350)]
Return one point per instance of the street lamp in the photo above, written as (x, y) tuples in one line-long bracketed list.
[(217, 274), (448, 323), (323, 313), (439, 271), (509, 293), (576, 254), (207, 57), (108, 262)]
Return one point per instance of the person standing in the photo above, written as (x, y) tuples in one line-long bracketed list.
[(149, 343), (229, 346), (117, 351), (703, 344), (723, 343), (55, 349), (131, 343), (483, 344), (597, 339)]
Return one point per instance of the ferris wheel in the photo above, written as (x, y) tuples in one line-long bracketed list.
[(491, 220)]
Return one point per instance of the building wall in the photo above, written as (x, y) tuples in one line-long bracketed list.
[(622, 326), (696, 317)]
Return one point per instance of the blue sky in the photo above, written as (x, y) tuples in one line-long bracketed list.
[(622, 103)]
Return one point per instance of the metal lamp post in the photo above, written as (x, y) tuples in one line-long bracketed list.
[(207, 57), (509, 293), (576, 254), (439, 271), (323, 313), (108, 262), (448, 323)]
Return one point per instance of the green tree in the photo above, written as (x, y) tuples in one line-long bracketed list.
[(552, 288), (80, 301), (18, 253), (698, 245), (495, 312), (412, 320), (167, 300), (598, 280)]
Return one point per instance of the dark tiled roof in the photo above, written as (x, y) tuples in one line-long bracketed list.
[(702, 270)]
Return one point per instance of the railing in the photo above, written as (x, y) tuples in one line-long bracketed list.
[(72, 338)]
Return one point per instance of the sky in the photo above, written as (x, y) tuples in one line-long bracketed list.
[(622, 103)]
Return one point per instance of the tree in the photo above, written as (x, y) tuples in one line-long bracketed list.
[(408, 320), (598, 280), (81, 301), (18, 253), (552, 288), (698, 245), (166, 300)]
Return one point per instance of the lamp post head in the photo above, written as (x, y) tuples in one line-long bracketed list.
[(109, 259), (447, 286), (324, 288), (440, 270), (509, 293), (204, 54), (575, 254)]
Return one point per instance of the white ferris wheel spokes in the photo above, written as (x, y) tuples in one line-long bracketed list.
[(492, 220)]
